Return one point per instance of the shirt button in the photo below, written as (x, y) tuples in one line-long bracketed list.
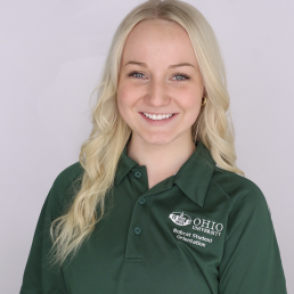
[(137, 230), (142, 200), (137, 174)]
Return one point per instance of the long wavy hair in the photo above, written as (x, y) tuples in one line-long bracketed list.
[(100, 153)]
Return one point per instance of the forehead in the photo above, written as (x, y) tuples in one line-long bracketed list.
[(158, 40)]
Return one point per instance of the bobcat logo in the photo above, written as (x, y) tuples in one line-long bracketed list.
[(180, 218)]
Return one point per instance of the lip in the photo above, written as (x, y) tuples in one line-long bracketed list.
[(158, 122), (157, 113)]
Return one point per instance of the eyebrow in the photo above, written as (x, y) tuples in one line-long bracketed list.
[(171, 66)]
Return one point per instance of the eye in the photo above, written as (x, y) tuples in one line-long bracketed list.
[(136, 75), (181, 77)]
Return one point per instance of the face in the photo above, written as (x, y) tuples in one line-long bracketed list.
[(160, 86)]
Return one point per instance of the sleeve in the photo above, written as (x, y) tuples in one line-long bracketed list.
[(251, 261), (38, 277)]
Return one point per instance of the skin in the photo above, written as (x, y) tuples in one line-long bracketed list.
[(157, 88)]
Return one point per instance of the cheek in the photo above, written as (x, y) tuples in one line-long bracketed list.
[(127, 93), (192, 102), (191, 105), (123, 98), (194, 112), (126, 102)]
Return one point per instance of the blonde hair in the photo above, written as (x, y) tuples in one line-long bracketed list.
[(100, 153)]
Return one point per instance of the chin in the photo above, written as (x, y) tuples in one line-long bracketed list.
[(157, 140)]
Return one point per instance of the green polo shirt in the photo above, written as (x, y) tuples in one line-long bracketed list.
[(204, 230)]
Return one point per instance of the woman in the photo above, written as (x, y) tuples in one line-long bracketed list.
[(156, 203)]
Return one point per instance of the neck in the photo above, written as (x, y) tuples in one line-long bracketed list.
[(161, 161)]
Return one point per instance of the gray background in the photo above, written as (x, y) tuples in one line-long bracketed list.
[(51, 56)]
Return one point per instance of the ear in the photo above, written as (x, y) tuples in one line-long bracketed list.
[(204, 92)]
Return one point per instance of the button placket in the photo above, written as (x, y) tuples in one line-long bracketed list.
[(136, 233), (142, 200), (137, 174), (137, 230)]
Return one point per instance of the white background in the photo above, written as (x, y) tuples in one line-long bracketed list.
[(51, 56)]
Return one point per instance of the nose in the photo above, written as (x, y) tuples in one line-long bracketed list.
[(157, 94)]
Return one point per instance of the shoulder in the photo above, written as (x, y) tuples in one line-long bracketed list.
[(68, 175), (240, 191), (248, 209), (64, 187)]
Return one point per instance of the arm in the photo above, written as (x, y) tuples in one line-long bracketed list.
[(251, 260), (38, 278)]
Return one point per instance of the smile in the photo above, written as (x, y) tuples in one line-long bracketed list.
[(158, 116)]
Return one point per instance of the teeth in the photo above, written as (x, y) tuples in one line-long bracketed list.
[(157, 117)]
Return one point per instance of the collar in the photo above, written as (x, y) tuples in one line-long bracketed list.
[(193, 177), (125, 164)]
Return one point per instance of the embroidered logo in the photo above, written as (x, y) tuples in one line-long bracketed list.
[(180, 218), (199, 224), (207, 226)]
